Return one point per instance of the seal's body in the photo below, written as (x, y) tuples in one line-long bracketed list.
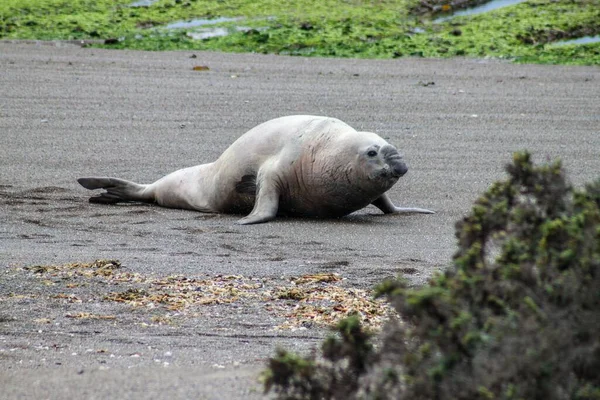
[(298, 166)]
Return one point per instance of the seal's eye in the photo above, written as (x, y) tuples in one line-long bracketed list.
[(372, 153)]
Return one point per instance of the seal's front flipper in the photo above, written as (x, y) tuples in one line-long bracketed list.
[(266, 203), (384, 203), (117, 190), (265, 208)]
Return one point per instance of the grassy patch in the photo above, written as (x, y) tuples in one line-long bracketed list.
[(385, 29)]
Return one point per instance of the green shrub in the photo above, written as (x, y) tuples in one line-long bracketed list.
[(517, 316)]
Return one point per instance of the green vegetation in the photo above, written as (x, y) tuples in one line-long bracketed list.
[(383, 29), (516, 317)]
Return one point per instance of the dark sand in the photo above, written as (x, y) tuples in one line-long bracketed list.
[(67, 112)]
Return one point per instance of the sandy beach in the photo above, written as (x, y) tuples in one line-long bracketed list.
[(67, 112)]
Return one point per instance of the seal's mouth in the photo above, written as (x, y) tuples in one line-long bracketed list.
[(392, 171)]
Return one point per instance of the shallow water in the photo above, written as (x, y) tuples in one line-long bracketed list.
[(581, 40), (200, 22), (489, 6)]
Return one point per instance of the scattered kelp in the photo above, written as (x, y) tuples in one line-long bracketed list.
[(303, 301)]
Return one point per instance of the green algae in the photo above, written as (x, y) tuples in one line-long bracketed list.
[(351, 28)]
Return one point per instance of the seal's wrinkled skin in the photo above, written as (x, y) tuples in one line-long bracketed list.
[(297, 166)]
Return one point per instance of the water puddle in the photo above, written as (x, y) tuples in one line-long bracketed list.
[(201, 34), (201, 22), (489, 6), (207, 33), (143, 3), (198, 29), (581, 40)]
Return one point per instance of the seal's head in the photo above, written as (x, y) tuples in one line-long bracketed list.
[(380, 163), (383, 162)]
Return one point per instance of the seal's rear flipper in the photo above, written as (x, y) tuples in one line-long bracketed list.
[(117, 190)]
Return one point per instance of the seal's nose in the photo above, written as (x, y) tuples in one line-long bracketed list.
[(399, 168)]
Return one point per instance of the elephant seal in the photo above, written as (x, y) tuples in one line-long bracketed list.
[(298, 165)]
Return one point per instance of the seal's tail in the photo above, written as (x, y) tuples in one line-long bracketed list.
[(117, 190)]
